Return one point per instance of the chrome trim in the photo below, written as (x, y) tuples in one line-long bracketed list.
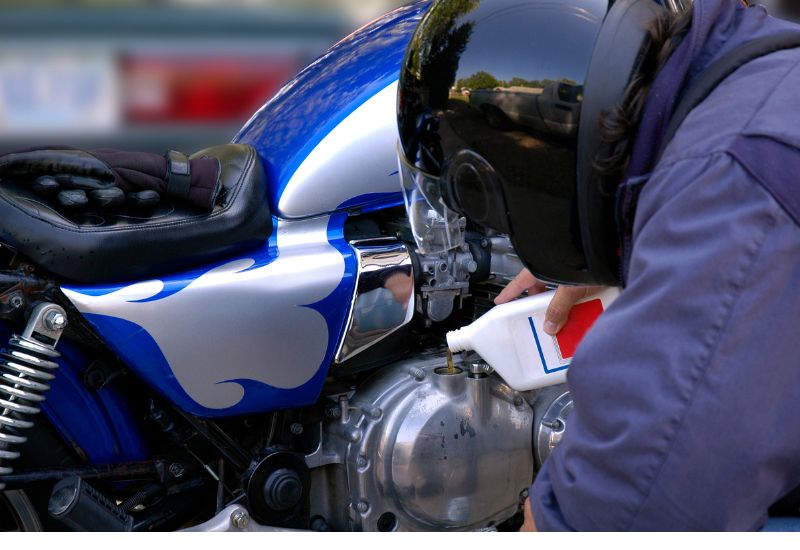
[(384, 298), (553, 426), (233, 519)]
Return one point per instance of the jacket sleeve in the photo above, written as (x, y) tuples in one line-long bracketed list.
[(687, 390)]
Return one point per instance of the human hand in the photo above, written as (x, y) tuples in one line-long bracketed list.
[(559, 308), (528, 525)]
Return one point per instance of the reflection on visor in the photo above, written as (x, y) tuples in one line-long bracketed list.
[(436, 228)]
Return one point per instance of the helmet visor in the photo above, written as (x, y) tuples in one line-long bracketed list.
[(436, 228)]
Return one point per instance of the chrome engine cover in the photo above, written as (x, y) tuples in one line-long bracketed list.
[(417, 449)]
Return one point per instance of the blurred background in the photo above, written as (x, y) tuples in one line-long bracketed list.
[(155, 74)]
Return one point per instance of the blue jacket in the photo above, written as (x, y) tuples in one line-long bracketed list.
[(687, 390)]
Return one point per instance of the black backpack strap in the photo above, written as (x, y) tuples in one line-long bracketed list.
[(722, 69)]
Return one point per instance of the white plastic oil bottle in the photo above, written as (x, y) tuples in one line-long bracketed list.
[(511, 338)]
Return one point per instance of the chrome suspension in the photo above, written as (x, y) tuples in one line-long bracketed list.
[(26, 367)]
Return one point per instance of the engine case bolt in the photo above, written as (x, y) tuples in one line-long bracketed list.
[(362, 507), (354, 435), (16, 302), (55, 320), (296, 428), (176, 470), (478, 368), (417, 373), (372, 412), (240, 519), (362, 462)]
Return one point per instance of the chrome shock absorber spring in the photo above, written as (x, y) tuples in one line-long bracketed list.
[(26, 367)]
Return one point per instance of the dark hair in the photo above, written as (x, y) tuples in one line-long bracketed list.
[(619, 124)]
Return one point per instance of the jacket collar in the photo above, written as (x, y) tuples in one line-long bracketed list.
[(713, 22)]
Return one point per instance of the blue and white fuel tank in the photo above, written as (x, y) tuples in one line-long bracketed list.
[(329, 136), (257, 332)]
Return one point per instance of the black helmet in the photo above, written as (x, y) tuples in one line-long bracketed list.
[(498, 111)]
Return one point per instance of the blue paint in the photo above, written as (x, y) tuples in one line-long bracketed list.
[(142, 354), (284, 132), (541, 353), (100, 424), (297, 119), (373, 201), (335, 308)]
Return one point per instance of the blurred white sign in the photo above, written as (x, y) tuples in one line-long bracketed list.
[(65, 92)]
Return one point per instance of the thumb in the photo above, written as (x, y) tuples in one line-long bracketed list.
[(560, 306)]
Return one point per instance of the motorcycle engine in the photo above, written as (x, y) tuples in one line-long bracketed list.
[(421, 447)]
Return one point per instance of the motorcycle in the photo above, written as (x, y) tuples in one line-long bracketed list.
[(214, 375)]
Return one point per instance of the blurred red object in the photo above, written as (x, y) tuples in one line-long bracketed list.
[(196, 90)]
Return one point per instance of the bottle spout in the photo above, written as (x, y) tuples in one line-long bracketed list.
[(457, 341)]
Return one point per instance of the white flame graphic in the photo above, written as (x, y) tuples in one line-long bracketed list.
[(233, 324)]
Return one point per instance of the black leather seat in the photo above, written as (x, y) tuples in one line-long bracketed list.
[(106, 247)]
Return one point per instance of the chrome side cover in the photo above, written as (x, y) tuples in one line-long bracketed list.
[(421, 448), (384, 297)]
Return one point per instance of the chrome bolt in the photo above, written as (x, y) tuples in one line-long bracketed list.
[(417, 373), (16, 302), (354, 435), (296, 428), (176, 470), (240, 519), (362, 507), (333, 411), (556, 425), (55, 320), (362, 462), (372, 412), (478, 367)]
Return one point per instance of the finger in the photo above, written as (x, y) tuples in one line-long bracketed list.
[(528, 525), (59, 160), (522, 282), (46, 186), (565, 298), (559, 308), (107, 198), (143, 200), (73, 199), (81, 182)]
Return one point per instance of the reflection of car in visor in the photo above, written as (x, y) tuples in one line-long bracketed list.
[(436, 227)]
